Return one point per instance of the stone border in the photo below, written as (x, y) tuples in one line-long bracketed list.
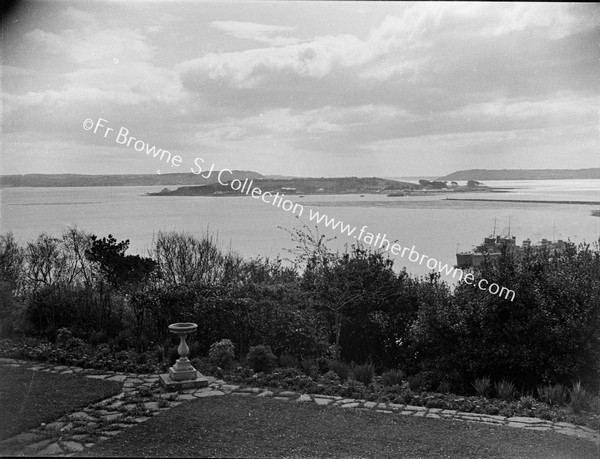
[(142, 398)]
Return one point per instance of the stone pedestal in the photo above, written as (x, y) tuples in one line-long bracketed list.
[(183, 375)]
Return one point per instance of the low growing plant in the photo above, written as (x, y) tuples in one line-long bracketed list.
[(363, 373), (579, 397), (222, 353), (340, 368), (505, 389), (261, 359), (554, 394), (482, 386), (392, 377)]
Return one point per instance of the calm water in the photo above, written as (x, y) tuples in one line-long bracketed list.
[(435, 226)]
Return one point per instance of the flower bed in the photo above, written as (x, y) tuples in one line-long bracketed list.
[(73, 351)]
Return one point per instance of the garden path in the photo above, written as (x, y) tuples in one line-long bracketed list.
[(142, 398)]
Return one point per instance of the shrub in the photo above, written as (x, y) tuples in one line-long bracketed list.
[(339, 368), (527, 402), (309, 367), (261, 358), (422, 381), (554, 394), (330, 379), (482, 386), (580, 398), (363, 373), (222, 353), (444, 387), (392, 377), (505, 389), (288, 361), (353, 389)]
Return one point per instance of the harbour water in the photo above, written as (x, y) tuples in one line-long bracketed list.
[(432, 224)]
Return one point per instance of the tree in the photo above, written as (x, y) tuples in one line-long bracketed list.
[(119, 269)]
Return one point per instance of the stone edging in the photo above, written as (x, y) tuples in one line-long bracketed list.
[(142, 398)]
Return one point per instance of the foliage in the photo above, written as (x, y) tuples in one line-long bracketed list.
[(363, 373), (554, 394), (392, 377), (261, 359), (482, 386), (118, 268), (579, 397), (505, 389), (549, 333), (339, 368), (222, 353)]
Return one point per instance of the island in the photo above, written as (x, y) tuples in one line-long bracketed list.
[(324, 185)]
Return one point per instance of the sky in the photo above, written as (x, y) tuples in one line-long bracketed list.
[(299, 88)]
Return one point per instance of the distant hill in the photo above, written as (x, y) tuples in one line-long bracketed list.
[(68, 180), (524, 174), (324, 185)]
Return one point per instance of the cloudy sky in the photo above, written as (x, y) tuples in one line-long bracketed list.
[(301, 88)]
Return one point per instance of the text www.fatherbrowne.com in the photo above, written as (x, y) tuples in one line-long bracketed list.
[(381, 242)]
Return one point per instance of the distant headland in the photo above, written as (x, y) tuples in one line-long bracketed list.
[(524, 174)]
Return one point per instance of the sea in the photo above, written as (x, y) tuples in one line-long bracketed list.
[(433, 225)]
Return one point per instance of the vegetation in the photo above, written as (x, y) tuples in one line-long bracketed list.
[(338, 318)]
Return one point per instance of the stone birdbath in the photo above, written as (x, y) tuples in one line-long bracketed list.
[(183, 375)]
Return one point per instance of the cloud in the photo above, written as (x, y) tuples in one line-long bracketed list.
[(257, 32)]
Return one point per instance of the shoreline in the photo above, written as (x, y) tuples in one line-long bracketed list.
[(587, 203)]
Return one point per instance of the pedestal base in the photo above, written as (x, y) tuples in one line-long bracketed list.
[(172, 385), (183, 375)]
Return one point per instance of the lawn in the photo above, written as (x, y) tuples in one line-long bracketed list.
[(33, 397), (235, 426)]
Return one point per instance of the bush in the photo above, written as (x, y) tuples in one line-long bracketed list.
[(505, 389), (392, 378), (288, 361), (363, 373), (339, 368), (309, 367), (527, 402), (482, 386), (330, 379), (555, 394), (579, 397), (261, 359), (222, 353)]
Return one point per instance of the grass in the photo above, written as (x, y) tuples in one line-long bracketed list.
[(235, 426), (28, 398)]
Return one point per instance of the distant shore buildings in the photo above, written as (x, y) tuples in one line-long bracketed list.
[(495, 246)]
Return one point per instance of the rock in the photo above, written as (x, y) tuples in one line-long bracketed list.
[(227, 388), (266, 393), (51, 450), (153, 406), (212, 393), (81, 416), (287, 393), (323, 401), (350, 405), (96, 376), (55, 425), (304, 398), (72, 446), (524, 420), (119, 378), (370, 404)]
